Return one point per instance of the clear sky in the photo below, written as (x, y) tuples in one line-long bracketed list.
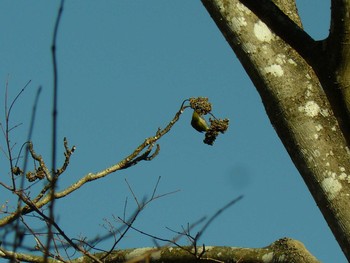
[(124, 69)]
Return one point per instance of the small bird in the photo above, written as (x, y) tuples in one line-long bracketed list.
[(198, 122)]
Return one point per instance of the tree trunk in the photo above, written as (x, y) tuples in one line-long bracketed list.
[(300, 80)]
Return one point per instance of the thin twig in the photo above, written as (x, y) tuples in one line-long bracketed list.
[(8, 110), (140, 207), (200, 233), (53, 223), (8, 129), (54, 127), (44, 199)]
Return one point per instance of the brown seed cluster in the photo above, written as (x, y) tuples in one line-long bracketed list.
[(201, 105), (216, 126), (38, 174)]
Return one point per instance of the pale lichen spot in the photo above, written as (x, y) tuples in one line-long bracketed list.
[(331, 186), (221, 6), (330, 153), (327, 164), (201, 249), (238, 22), (317, 153), (347, 150), (316, 136), (241, 20), (267, 257), (318, 127), (138, 252), (249, 48), (308, 76), (243, 8), (330, 174), (309, 90), (262, 32), (264, 49), (324, 112), (344, 176), (334, 128), (275, 70), (311, 109), (291, 61), (281, 59)]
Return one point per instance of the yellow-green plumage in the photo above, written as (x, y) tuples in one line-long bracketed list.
[(198, 122)]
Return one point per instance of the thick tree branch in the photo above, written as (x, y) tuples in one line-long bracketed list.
[(317, 55), (288, 29), (298, 108), (284, 250), (338, 48)]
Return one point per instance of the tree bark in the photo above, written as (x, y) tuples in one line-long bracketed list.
[(284, 250), (299, 83)]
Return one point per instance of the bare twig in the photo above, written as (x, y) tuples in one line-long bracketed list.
[(18, 234), (7, 130), (53, 223), (30, 132), (193, 250), (130, 160), (140, 206), (54, 124), (200, 233)]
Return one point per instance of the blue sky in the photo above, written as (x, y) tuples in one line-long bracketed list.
[(124, 69)]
